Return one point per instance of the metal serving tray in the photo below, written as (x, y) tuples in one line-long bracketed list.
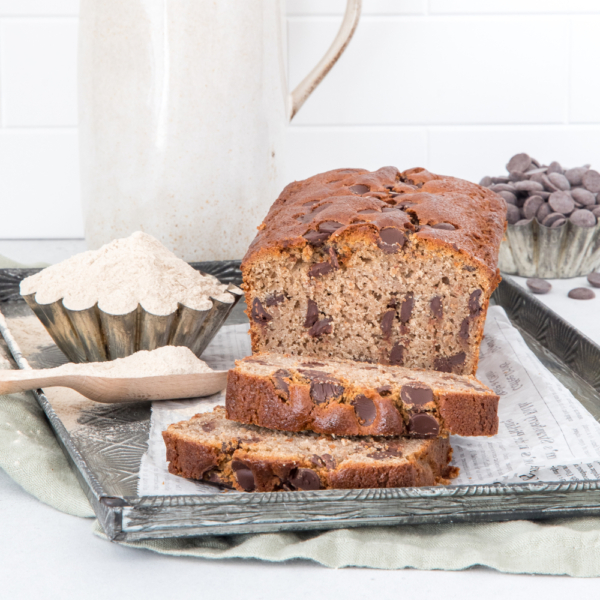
[(106, 452)]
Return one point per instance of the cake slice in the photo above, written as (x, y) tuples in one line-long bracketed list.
[(351, 398), (208, 447), (388, 267)]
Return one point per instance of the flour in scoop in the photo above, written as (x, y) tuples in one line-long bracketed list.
[(124, 273), (168, 360)]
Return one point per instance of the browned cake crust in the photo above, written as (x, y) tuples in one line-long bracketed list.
[(208, 447), (349, 398), (383, 266)]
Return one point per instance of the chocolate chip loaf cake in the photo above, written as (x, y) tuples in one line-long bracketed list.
[(383, 266), (349, 398), (252, 459)]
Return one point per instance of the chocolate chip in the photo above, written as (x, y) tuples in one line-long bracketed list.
[(560, 181), (558, 223), (486, 182), (561, 202), (523, 222), (503, 187), (543, 211), (509, 197), (280, 383), (304, 479), (417, 395), (437, 309), (519, 163), (548, 185), (308, 217), (397, 354), (513, 214), (581, 294), (315, 238), (391, 240), (317, 460), (333, 258), (329, 227), (368, 211), (474, 302), (464, 328), (387, 209), (389, 452), (531, 206), (208, 426), (312, 314), (551, 218), (583, 218), (386, 322), (215, 477), (584, 197), (330, 462), (423, 425), (447, 226), (529, 186), (575, 175), (365, 409), (594, 279), (536, 171), (407, 308), (538, 286), (596, 211), (554, 167), (359, 189), (321, 327), (320, 269), (244, 476), (591, 181), (259, 314), (323, 386), (274, 299), (384, 390), (313, 364), (448, 364)]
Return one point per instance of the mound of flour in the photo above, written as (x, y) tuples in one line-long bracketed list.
[(168, 360), (122, 274)]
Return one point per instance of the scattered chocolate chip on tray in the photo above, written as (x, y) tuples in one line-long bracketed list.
[(581, 294), (594, 279), (539, 286), (550, 193)]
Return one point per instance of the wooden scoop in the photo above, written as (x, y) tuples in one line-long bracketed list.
[(112, 389)]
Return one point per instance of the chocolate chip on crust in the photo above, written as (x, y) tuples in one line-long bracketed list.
[(244, 476), (304, 479), (259, 314), (417, 395), (446, 226), (315, 238), (384, 390), (359, 189), (323, 386), (423, 425), (365, 409), (391, 240)]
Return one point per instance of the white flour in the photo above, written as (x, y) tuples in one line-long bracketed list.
[(168, 360), (122, 274)]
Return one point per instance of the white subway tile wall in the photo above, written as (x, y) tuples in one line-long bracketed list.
[(457, 86)]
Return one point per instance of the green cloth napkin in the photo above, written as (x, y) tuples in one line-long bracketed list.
[(30, 454)]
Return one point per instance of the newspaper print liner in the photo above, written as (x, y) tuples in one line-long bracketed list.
[(533, 250), (92, 335)]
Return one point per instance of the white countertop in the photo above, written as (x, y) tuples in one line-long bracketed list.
[(46, 555)]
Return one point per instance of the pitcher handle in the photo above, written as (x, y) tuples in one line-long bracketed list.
[(307, 86)]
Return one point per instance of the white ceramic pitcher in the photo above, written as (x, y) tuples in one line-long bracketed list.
[(183, 106)]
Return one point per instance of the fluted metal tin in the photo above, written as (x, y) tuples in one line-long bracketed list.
[(533, 250), (92, 335)]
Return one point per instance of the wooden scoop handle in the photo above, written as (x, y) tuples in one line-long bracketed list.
[(15, 381)]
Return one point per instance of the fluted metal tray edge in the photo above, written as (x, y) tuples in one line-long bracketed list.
[(134, 518)]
